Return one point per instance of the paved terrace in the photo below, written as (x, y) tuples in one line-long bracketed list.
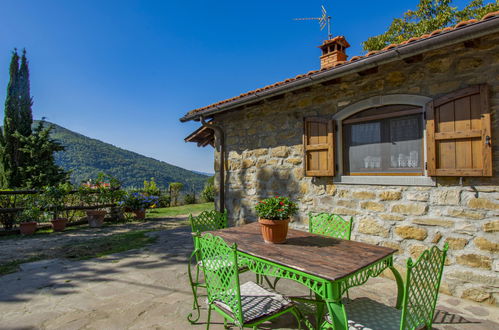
[(148, 288)]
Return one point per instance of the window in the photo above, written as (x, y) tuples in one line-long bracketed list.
[(384, 141), (389, 139)]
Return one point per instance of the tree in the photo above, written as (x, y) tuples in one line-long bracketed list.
[(10, 157), (151, 189), (38, 149), (429, 16), (27, 158), (25, 100), (208, 192), (175, 188)]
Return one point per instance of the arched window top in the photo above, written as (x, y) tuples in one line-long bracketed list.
[(381, 101)]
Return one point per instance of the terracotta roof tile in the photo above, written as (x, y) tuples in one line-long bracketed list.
[(353, 59), (490, 15)]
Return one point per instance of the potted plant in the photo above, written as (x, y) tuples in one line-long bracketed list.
[(29, 217), (95, 194), (54, 197), (274, 214), (138, 203)]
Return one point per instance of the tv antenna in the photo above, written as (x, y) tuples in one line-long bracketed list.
[(323, 21)]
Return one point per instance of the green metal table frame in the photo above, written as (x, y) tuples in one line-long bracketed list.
[(329, 291)]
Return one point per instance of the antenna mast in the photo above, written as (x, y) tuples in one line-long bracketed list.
[(323, 21)]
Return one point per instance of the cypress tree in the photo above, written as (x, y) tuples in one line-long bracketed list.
[(25, 100), (11, 155), (27, 157)]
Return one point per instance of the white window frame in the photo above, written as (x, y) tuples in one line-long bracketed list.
[(373, 102)]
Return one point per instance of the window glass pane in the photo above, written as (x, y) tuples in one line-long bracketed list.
[(405, 146), (365, 149), (387, 145)]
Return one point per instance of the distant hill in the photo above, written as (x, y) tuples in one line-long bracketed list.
[(86, 157)]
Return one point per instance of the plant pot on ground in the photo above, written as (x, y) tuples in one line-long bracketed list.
[(55, 198), (274, 214), (140, 214), (28, 228), (138, 203), (59, 224), (30, 215), (95, 218)]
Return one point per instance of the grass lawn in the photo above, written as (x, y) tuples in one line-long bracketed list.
[(180, 210)]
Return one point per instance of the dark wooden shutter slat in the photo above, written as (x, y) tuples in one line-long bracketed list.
[(457, 127), (318, 145)]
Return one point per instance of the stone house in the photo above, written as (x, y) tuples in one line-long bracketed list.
[(404, 140)]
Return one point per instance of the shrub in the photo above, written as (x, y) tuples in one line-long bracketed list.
[(54, 198), (208, 193), (164, 201), (138, 201), (190, 198), (32, 210), (150, 188), (276, 208)]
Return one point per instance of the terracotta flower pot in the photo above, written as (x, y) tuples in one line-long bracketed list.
[(95, 218), (274, 231), (27, 228), (59, 224), (140, 214)]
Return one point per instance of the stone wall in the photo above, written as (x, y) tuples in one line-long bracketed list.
[(265, 157)]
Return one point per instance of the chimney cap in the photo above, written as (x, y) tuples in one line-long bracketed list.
[(336, 40)]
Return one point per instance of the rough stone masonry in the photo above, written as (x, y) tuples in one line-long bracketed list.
[(265, 157)]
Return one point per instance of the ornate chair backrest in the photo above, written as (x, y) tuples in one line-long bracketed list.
[(208, 220), (330, 225), (421, 289), (221, 272)]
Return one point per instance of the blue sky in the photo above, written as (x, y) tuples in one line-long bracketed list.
[(125, 71)]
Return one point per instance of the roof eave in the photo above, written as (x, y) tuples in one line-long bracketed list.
[(444, 39)]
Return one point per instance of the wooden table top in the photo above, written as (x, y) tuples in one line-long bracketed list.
[(326, 257)]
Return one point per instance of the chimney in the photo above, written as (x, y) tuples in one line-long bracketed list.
[(333, 52)]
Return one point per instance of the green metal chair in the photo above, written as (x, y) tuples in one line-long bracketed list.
[(246, 305), (326, 224), (420, 298), (331, 225), (206, 221)]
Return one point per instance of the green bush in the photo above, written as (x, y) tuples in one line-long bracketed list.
[(190, 199), (164, 201), (208, 193)]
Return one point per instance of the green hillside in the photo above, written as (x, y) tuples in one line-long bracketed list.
[(86, 157)]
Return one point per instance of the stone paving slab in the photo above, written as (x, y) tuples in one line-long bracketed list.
[(148, 289)]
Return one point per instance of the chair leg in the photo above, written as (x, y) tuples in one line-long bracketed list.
[(209, 317), (195, 304), (298, 316)]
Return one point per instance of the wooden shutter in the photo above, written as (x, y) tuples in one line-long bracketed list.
[(458, 134), (318, 144)]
